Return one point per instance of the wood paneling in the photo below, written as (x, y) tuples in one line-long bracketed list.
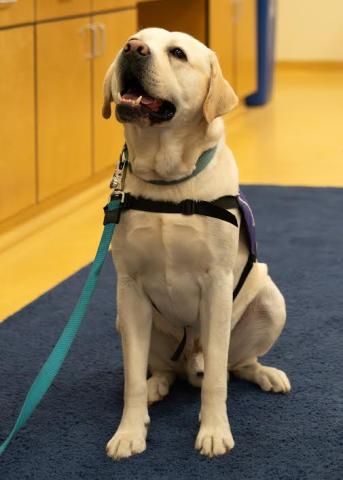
[(108, 134), (221, 35), (14, 13), (64, 105), (61, 8), (179, 15), (17, 159), (246, 48)]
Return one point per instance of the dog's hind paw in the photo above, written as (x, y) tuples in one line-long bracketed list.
[(273, 380), (268, 378), (158, 388)]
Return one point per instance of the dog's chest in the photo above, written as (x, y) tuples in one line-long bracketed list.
[(168, 255)]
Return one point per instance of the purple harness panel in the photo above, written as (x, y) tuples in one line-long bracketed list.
[(249, 223)]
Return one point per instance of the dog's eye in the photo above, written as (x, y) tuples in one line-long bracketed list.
[(178, 53)]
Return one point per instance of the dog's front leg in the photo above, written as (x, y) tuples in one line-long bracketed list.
[(134, 324), (214, 437)]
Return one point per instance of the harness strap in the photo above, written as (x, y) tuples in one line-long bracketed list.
[(215, 209), (246, 270), (177, 354)]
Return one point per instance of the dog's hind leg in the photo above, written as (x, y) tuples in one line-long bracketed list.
[(161, 367), (254, 335)]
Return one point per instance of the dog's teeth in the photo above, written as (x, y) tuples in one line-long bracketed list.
[(136, 101), (130, 101)]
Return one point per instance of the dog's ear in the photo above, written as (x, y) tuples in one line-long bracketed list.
[(108, 98), (220, 98)]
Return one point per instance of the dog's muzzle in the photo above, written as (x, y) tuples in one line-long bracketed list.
[(135, 100)]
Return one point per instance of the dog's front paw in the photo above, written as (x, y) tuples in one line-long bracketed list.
[(126, 442), (213, 440)]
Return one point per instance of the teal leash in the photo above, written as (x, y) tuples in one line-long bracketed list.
[(56, 358)]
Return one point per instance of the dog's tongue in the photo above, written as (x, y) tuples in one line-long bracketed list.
[(151, 103)]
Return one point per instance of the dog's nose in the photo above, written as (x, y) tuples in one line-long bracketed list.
[(200, 374), (135, 46)]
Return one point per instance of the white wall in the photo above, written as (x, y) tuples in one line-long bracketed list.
[(309, 30)]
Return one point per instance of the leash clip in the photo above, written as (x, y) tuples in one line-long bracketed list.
[(117, 186), (118, 179)]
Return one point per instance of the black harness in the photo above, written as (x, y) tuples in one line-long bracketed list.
[(215, 209)]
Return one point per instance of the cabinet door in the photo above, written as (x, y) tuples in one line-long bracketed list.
[(17, 12), (179, 15), (246, 47), (111, 4), (17, 159), (113, 30), (61, 8), (64, 105), (221, 35)]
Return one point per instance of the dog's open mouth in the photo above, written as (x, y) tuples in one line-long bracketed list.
[(135, 101)]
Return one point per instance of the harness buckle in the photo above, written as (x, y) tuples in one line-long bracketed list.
[(188, 207), (118, 195), (113, 216)]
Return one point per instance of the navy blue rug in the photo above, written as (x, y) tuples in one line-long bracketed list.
[(298, 436)]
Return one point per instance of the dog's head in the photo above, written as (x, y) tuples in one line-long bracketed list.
[(160, 77)]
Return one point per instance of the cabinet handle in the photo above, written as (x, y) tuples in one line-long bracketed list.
[(89, 28), (7, 2), (102, 29)]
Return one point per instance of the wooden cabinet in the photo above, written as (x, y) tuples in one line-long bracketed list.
[(112, 31), (14, 13), (61, 8), (221, 35), (65, 93), (179, 15), (246, 51), (227, 26), (232, 27), (17, 138), (64, 105)]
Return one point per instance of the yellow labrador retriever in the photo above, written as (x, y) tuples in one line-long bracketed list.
[(177, 271)]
